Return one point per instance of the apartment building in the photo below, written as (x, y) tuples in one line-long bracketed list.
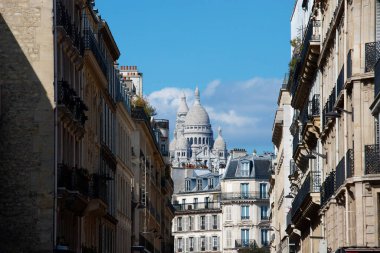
[(279, 190), (334, 176), (70, 141), (197, 222), (245, 202)]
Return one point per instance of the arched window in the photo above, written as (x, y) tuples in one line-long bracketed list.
[(191, 141), (195, 140), (199, 140), (204, 140)]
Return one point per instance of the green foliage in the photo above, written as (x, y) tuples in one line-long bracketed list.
[(143, 102)]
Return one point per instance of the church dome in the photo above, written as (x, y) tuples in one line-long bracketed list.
[(197, 114), (219, 143), (181, 142), (183, 108)]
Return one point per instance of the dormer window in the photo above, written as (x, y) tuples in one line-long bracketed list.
[(199, 184), (245, 169), (187, 185), (210, 183)]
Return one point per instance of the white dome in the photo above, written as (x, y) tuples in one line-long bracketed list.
[(197, 115), (219, 143), (183, 108), (181, 142)]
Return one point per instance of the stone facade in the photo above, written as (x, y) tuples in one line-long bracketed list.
[(334, 181)]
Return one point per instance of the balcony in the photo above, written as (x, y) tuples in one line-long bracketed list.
[(377, 79), (99, 188), (329, 107), (328, 188), (307, 199), (277, 126), (92, 45), (200, 206), (372, 159), (307, 64), (74, 179), (245, 243), (245, 196), (372, 55), (69, 32), (340, 173), (244, 217)]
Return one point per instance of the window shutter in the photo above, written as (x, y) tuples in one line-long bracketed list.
[(377, 134), (229, 239), (187, 244), (175, 244), (218, 222), (196, 248), (207, 222), (199, 244), (218, 242), (209, 239), (175, 225), (184, 223)]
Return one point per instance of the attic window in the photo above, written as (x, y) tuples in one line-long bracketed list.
[(199, 184), (211, 183), (245, 169), (187, 185)]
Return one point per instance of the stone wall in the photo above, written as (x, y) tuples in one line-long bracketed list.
[(26, 126)]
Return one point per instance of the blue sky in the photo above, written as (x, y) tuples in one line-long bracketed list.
[(236, 51)]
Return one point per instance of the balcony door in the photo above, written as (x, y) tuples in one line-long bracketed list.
[(244, 190), (263, 190), (245, 237)]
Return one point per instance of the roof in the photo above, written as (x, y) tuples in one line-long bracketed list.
[(259, 167)]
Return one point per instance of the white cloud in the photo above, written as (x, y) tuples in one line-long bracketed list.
[(244, 109), (211, 87)]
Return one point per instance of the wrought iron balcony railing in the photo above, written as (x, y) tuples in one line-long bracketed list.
[(68, 97), (92, 44), (315, 105), (349, 64), (74, 179), (296, 141), (328, 187), (340, 81), (245, 243), (99, 187), (311, 184), (72, 30), (197, 206), (377, 78), (340, 173), (372, 159), (350, 163), (244, 195), (372, 55), (244, 217), (293, 167)]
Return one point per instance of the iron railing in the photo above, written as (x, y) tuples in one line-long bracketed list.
[(68, 97), (340, 173), (372, 159), (315, 105), (99, 187), (311, 184), (245, 243), (328, 188), (340, 81), (74, 179), (349, 64), (372, 54), (350, 163), (377, 78), (244, 195), (296, 141), (293, 167), (197, 206), (92, 44), (72, 30)]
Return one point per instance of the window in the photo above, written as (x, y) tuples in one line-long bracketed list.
[(244, 212), (180, 244), (215, 243), (264, 237), (203, 222), (229, 240), (244, 190), (245, 237), (179, 224), (207, 200), (228, 213), (245, 169), (195, 203), (215, 222), (191, 225), (264, 212), (199, 184), (187, 185), (191, 243), (263, 191), (210, 183), (203, 243)]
